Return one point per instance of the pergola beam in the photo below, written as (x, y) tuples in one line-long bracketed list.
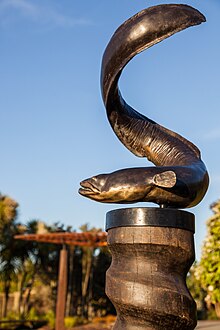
[(75, 239)]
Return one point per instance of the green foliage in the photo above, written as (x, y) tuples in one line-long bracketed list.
[(211, 314), (198, 294), (8, 210), (32, 315), (50, 317), (208, 270), (11, 316), (194, 286), (74, 321), (10, 251)]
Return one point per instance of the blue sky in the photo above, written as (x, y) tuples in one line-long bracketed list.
[(54, 130)]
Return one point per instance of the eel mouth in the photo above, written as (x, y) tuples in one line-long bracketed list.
[(88, 188)]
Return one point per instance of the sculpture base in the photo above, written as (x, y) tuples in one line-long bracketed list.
[(152, 251)]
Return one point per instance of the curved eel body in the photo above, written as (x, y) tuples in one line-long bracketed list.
[(180, 178)]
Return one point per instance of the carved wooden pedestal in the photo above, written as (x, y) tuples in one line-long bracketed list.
[(152, 251)]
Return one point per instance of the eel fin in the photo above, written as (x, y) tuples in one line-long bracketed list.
[(165, 179)]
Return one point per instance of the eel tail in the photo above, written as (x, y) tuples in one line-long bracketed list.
[(141, 135)]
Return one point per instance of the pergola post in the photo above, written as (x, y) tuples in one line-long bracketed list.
[(62, 290)]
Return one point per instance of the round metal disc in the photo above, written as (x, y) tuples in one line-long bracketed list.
[(150, 216)]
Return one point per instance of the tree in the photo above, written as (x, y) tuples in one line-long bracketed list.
[(42, 263), (8, 211), (87, 266), (101, 303), (208, 271), (87, 271), (10, 252), (198, 293), (30, 265), (21, 262)]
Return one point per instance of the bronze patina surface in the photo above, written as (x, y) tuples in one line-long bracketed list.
[(180, 178), (146, 281)]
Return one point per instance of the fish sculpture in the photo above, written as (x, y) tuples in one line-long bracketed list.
[(180, 178)]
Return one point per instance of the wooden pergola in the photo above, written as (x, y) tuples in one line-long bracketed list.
[(90, 239)]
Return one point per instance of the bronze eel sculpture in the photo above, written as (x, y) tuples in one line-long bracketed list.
[(180, 178)]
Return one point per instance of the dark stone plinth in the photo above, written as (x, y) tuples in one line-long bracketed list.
[(152, 251)]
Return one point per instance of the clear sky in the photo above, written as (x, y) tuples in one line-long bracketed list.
[(54, 131)]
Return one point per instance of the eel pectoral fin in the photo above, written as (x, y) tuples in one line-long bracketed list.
[(165, 179)]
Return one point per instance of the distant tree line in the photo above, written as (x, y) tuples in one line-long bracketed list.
[(27, 267), (31, 269)]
